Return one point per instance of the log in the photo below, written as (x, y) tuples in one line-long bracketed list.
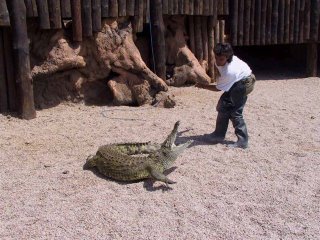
[(314, 20), (130, 7), (274, 21), (29, 8), (96, 15), (65, 8), (191, 34), (8, 56), (196, 7), (165, 6), (204, 31), (191, 7), (252, 23), (86, 18), (201, 7), (312, 59), (269, 22), (291, 27), (175, 7), (206, 8), (54, 14), (215, 11), (105, 8), (122, 4), (211, 59), (138, 17), (186, 9), (220, 7), (217, 33), (3, 78), (147, 11), (181, 7), (263, 22), (307, 20), (287, 22), (281, 21), (221, 30), (76, 20), (246, 24), (234, 23), (43, 11), (240, 22), (257, 30), (170, 7), (225, 7), (34, 8), (158, 35), (296, 22), (21, 58), (113, 8), (198, 38), (4, 14), (301, 21)]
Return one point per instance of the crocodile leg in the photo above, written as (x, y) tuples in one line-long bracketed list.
[(160, 176)]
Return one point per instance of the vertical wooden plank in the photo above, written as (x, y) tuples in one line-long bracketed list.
[(201, 7), (296, 22), (252, 21), (206, 8), (234, 23), (291, 28), (130, 7), (175, 7), (186, 7), (314, 20), (301, 20), (96, 15), (21, 58), (247, 15), (275, 21), (55, 14), (147, 11), (165, 6), (43, 11), (217, 33), (29, 8), (65, 8), (220, 7), (180, 7), (76, 20), (258, 22), (170, 7), (113, 8), (221, 30), (263, 22), (191, 34), (138, 16), (269, 22), (240, 22), (86, 18), (287, 22), (122, 4), (105, 8), (225, 7), (198, 38), (191, 7), (4, 14), (8, 56), (3, 78), (281, 21), (204, 31), (158, 38), (312, 58), (211, 59), (196, 7), (307, 20), (34, 8)]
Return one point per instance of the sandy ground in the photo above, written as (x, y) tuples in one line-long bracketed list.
[(269, 191)]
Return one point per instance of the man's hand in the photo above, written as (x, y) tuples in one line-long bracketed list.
[(210, 87)]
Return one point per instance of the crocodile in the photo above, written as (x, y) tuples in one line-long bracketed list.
[(138, 161)]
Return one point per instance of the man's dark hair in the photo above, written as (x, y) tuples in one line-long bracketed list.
[(224, 49)]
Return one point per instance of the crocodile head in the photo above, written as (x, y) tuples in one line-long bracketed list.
[(169, 151)]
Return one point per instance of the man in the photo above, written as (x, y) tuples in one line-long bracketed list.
[(235, 78)]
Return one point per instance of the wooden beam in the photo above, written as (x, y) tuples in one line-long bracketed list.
[(240, 22), (247, 15), (65, 8), (211, 59), (198, 38), (105, 8), (21, 58), (76, 20), (86, 18), (252, 21), (43, 11), (165, 5), (96, 15), (158, 38), (122, 4), (204, 31), (138, 17), (4, 14), (113, 8), (55, 14), (234, 23)]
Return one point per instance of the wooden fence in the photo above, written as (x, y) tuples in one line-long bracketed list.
[(244, 22)]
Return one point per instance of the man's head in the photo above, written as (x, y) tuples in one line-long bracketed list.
[(223, 53)]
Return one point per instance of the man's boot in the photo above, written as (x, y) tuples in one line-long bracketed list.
[(241, 132), (221, 128)]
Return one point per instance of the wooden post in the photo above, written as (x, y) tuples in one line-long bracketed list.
[(234, 23), (198, 38), (21, 56), (65, 8), (252, 21), (186, 7), (257, 29), (240, 22), (225, 7), (3, 79), (86, 18), (43, 11), (4, 14), (8, 56), (307, 20), (76, 20), (181, 7), (175, 7), (165, 6), (146, 11), (158, 38), (191, 7), (301, 21), (263, 22), (191, 34), (105, 8), (122, 8), (247, 8), (34, 8), (196, 7), (221, 30), (211, 59), (314, 20), (138, 16), (312, 59), (217, 33), (281, 21), (96, 15), (296, 22), (269, 22), (113, 8), (291, 28), (130, 7), (55, 14), (287, 22), (204, 31), (29, 8)]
